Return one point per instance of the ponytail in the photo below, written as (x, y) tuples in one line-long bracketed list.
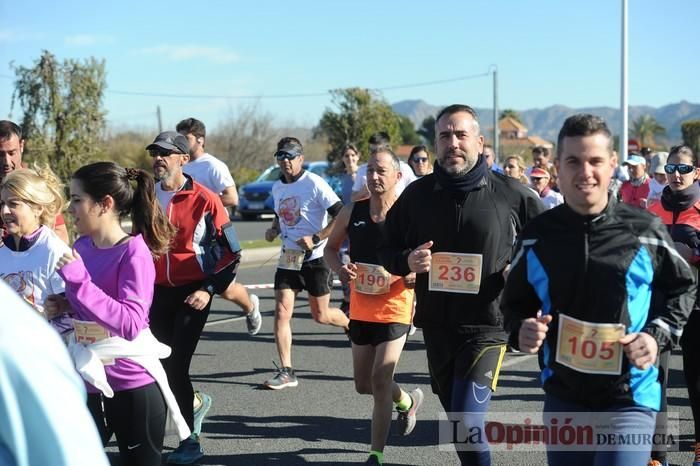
[(147, 216)]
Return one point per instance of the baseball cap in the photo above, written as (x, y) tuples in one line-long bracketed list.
[(170, 140), (658, 160), (635, 159), (539, 173)]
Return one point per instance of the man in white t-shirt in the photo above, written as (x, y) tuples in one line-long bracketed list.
[(305, 206), (215, 176)]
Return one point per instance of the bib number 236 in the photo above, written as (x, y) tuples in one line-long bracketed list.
[(453, 272)]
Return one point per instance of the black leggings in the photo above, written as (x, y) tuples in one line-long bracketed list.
[(690, 342), (177, 325), (137, 418)]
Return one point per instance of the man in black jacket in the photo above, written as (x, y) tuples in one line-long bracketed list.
[(456, 229), (590, 265)]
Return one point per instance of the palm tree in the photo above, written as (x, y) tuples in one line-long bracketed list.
[(645, 128), (509, 112)]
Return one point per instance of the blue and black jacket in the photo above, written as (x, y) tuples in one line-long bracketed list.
[(600, 269)]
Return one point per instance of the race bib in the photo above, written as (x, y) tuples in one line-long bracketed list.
[(87, 332), (453, 272), (371, 279), (588, 347), (291, 259)]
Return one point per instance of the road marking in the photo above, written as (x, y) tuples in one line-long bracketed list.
[(223, 321), (517, 359)]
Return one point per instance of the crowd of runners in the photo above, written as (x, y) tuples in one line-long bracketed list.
[(590, 264)]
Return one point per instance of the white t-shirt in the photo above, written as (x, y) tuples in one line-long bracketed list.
[(301, 208), (210, 172), (32, 273), (552, 199), (407, 177)]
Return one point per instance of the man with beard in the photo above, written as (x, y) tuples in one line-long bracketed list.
[(202, 261), (455, 228)]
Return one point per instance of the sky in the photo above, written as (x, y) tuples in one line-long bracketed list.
[(210, 59)]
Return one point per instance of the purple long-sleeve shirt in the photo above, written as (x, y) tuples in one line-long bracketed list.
[(113, 287)]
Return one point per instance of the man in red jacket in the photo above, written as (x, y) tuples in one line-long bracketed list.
[(636, 190), (201, 262)]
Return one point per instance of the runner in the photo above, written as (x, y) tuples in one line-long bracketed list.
[(540, 180), (679, 210), (109, 286), (350, 157), (590, 265), (202, 261), (11, 150), (455, 228), (214, 175), (29, 251), (303, 204), (381, 304)]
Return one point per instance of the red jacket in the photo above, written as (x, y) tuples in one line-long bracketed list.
[(198, 250), (633, 195)]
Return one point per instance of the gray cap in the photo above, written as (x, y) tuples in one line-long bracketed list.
[(170, 140)]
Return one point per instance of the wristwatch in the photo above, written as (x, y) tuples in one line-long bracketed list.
[(316, 239), (210, 289)]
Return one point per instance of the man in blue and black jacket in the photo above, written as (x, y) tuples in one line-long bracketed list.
[(580, 289)]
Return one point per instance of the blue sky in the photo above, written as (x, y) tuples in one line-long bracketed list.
[(547, 52)]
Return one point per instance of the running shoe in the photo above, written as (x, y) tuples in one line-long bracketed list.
[(284, 377), (411, 330), (254, 320), (201, 412), (406, 420), (372, 460), (188, 452)]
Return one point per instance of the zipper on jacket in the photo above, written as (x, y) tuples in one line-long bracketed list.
[(167, 254)]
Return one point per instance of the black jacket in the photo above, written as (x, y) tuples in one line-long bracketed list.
[(483, 221), (600, 269)]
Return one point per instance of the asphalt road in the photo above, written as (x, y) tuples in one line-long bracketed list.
[(324, 420)]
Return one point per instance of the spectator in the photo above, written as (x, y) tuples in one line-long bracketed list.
[(636, 190)]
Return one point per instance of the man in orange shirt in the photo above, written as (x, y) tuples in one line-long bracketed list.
[(380, 304)]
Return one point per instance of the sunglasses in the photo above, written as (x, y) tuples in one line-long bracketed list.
[(160, 153), (420, 159), (682, 168), (281, 155)]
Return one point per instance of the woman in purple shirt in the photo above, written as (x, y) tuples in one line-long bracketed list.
[(109, 286)]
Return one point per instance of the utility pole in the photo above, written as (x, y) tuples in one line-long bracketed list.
[(160, 120), (623, 92), (496, 135)]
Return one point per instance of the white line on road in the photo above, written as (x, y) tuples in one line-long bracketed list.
[(223, 321)]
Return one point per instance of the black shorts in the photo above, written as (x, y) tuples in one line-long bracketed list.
[(375, 333), (462, 352), (313, 277)]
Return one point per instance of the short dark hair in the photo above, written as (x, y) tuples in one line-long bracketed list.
[(385, 149), (290, 142), (9, 128), (683, 150), (540, 150), (378, 140), (456, 108), (193, 126), (583, 124)]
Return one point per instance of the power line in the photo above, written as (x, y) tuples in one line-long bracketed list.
[(290, 96)]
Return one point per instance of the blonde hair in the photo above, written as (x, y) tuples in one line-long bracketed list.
[(39, 187)]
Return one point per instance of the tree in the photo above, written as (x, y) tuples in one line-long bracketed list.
[(408, 131), (645, 128), (63, 120), (360, 112), (246, 142), (510, 113), (691, 134), (427, 131)]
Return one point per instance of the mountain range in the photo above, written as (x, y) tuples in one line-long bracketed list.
[(546, 122)]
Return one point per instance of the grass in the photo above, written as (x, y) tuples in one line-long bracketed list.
[(260, 243)]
